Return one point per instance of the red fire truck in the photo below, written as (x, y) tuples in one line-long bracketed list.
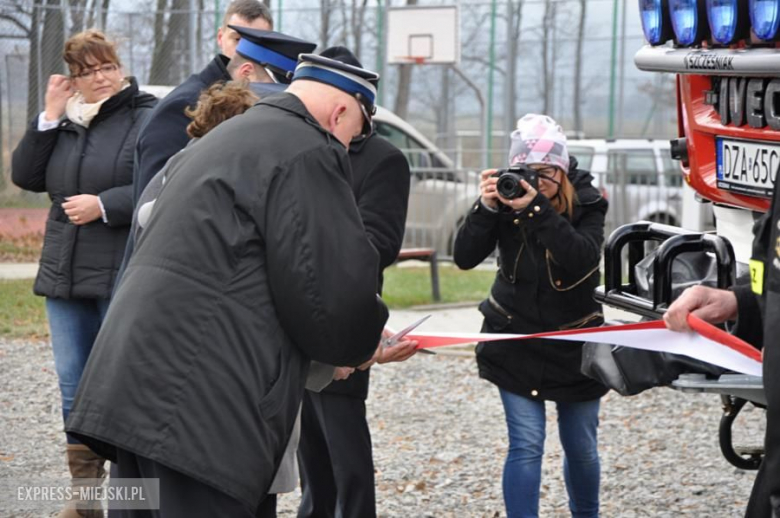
[(726, 58)]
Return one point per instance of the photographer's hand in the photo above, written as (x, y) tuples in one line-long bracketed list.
[(487, 188), (524, 201)]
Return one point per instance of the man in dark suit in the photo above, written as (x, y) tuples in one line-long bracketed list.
[(165, 134), (334, 455)]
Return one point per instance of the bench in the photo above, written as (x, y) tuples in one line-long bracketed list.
[(424, 254)]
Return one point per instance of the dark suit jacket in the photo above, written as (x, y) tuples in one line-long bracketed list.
[(380, 181), (165, 132)]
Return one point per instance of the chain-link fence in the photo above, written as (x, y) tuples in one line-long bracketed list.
[(636, 177), (537, 47)]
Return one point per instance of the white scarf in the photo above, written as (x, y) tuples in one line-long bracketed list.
[(81, 112)]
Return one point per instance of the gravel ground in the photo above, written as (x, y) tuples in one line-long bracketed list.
[(439, 440)]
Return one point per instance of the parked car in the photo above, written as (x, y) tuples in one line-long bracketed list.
[(440, 195), (637, 176)]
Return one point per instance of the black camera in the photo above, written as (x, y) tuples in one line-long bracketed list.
[(508, 185)]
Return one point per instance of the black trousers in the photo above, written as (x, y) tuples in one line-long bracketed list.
[(182, 496), (334, 456), (765, 498)]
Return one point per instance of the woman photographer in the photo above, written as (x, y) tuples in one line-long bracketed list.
[(549, 241)]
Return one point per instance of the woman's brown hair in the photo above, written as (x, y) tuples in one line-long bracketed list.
[(90, 44), (567, 196), (217, 104)]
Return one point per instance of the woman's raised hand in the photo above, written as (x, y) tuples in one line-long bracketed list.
[(487, 188), (58, 92)]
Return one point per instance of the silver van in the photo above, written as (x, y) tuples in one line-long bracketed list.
[(637, 176)]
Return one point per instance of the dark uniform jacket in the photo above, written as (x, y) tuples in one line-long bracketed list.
[(165, 133), (253, 262), (759, 324), (548, 268), (82, 261), (380, 181)]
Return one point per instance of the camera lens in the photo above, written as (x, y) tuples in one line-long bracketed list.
[(509, 186)]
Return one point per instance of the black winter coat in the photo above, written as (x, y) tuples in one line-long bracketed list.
[(82, 261), (548, 268), (165, 133), (253, 262), (380, 181)]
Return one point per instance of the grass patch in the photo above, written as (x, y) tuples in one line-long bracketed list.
[(22, 314), (411, 286), (22, 249)]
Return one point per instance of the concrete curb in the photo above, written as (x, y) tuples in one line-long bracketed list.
[(9, 271)]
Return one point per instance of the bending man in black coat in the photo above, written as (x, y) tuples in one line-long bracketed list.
[(334, 453), (237, 282)]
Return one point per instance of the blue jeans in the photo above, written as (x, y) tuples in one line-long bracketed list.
[(74, 325), (578, 431)]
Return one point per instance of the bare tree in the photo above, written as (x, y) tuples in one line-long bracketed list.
[(548, 23), (326, 9), (358, 21), (578, 67), (404, 84), (41, 22), (166, 67), (514, 20), (77, 11)]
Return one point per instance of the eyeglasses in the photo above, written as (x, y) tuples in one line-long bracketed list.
[(368, 126), (548, 173), (89, 74)]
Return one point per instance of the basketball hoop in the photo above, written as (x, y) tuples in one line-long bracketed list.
[(423, 35), (415, 60)]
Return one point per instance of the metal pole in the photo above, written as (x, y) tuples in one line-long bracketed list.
[(132, 44), (380, 45), (193, 41), (10, 134), (611, 131), (217, 23), (39, 58), (279, 9), (488, 134), (509, 87), (480, 99), (2, 140), (622, 81)]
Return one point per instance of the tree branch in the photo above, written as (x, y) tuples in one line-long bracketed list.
[(16, 22), (485, 61)]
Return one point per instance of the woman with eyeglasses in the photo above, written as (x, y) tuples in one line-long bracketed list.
[(79, 151), (549, 245)]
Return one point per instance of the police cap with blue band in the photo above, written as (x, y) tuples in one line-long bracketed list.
[(274, 50), (338, 67)]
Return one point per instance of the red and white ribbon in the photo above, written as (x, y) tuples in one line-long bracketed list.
[(706, 342)]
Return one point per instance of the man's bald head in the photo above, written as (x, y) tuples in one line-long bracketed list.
[(335, 110)]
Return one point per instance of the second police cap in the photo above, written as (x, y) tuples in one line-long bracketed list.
[(338, 67), (274, 50)]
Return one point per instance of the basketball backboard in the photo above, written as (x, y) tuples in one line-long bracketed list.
[(423, 35)]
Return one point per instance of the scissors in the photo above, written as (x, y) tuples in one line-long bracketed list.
[(393, 340)]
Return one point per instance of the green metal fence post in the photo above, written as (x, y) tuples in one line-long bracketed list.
[(492, 67), (380, 46), (613, 74)]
